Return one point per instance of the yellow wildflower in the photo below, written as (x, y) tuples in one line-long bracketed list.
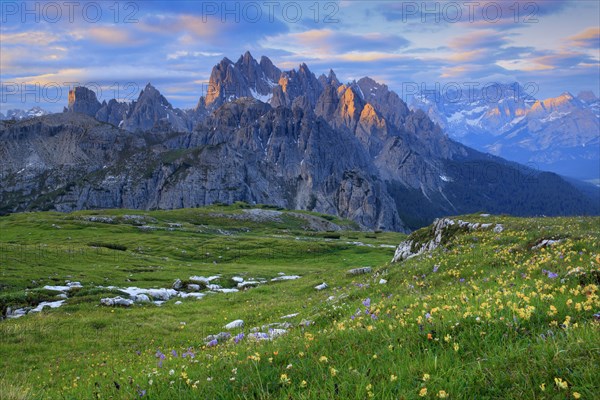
[(283, 379), (561, 384)]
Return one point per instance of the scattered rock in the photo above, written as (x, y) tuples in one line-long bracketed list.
[(274, 333), (52, 304), (204, 280), (360, 271), (289, 316), (213, 286), (382, 281), (193, 287), (142, 298), (161, 294), (247, 284), (285, 278), (545, 243), (219, 337), (116, 301), (238, 323), (237, 279), (18, 313), (322, 286), (196, 295), (277, 325), (226, 290), (177, 285)]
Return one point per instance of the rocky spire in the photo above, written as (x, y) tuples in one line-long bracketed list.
[(83, 100)]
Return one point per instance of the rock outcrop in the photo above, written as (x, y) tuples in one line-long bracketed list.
[(439, 233)]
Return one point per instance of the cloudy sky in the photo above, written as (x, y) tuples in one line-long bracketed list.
[(116, 47)]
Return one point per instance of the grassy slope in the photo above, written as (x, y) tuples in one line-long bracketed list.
[(488, 324)]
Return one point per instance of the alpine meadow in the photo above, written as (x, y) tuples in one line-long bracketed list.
[(329, 199)]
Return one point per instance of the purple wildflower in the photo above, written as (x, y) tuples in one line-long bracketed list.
[(373, 316), (173, 353), (550, 274), (212, 343), (352, 317), (141, 392), (189, 353), (367, 302), (238, 337), (428, 316), (435, 268), (160, 355)]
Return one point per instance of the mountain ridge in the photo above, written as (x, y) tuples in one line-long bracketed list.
[(559, 134), (355, 150)]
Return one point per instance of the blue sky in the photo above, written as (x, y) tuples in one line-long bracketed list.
[(118, 47)]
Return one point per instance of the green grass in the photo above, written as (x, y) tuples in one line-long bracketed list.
[(489, 323)]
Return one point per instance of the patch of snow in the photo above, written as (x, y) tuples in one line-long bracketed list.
[(265, 98)]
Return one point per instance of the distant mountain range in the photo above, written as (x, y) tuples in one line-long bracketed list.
[(262, 135), (560, 134), (18, 115)]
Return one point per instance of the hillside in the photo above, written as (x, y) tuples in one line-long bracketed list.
[(500, 307)]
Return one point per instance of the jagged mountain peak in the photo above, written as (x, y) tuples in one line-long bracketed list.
[(329, 79), (151, 94)]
